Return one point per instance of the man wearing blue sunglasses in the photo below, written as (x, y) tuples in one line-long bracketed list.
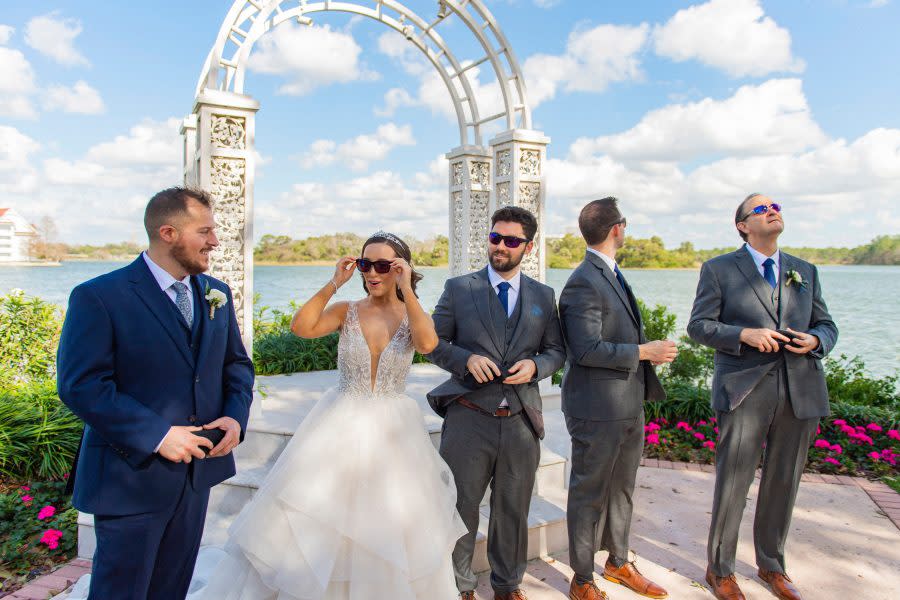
[(762, 311)]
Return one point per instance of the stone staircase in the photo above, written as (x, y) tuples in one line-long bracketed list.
[(282, 402)]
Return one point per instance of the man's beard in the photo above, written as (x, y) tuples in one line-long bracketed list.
[(504, 264), (187, 262)]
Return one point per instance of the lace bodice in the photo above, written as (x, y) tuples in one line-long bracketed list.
[(354, 359)]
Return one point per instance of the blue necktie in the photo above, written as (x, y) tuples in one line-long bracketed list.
[(769, 272), (183, 302), (503, 294), (621, 279)]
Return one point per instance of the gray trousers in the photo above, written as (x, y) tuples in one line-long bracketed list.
[(765, 417), (505, 452), (605, 459)]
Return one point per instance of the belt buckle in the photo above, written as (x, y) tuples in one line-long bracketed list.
[(501, 412)]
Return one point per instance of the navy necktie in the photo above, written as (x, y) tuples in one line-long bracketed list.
[(769, 272), (621, 279), (503, 294)]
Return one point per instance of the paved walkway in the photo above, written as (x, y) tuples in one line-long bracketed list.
[(842, 543)]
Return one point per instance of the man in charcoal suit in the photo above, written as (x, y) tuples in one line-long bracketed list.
[(608, 378), (768, 388), (499, 336), (150, 355)]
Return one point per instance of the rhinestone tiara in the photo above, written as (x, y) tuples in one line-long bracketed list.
[(388, 236)]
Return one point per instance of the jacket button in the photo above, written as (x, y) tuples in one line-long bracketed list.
[(192, 418), (196, 380)]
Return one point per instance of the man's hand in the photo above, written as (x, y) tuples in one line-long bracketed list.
[(232, 437), (658, 352), (524, 372), (181, 445), (802, 342), (764, 340), (482, 368)]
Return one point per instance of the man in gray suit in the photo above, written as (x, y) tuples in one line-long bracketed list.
[(608, 378), (499, 335), (768, 388)]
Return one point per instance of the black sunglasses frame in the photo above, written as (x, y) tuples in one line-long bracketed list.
[(381, 266), (510, 241)]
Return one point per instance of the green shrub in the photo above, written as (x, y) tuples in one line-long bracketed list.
[(858, 413), (659, 323), (282, 352), (848, 382), (39, 435), (29, 335)]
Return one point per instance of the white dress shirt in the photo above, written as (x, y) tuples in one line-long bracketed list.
[(609, 260), (512, 294), (759, 258), (165, 281)]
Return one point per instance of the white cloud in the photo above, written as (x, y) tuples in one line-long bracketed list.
[(394, 99), (732, 35), (358, 152), (771, 118), (878, 3), (309, 57), (16, 85), (150, 143), (6, 32), (395, 45), (54, 37), (17, 173), (80, 98)]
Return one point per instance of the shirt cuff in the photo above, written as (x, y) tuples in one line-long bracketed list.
[(159, 445)]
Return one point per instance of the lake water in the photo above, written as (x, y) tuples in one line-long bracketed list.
[(863, 300)]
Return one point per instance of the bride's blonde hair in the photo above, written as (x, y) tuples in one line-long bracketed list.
[(401, 249)]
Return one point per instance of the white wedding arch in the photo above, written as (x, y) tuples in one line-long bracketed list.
[(508, 170)]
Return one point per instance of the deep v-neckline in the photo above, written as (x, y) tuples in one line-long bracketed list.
[(373, 377)]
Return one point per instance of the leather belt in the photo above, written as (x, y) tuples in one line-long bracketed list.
[(500, 412)]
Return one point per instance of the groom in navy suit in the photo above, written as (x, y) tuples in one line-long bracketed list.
[(147, 360)]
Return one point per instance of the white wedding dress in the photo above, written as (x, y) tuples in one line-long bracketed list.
[(359, 506)]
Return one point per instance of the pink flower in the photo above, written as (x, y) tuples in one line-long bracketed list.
[(26, 499), (874, 427), (846, 429), (818, 430), (651, 427), (837, 449), (51, 538), (46, 512), (874, 456), (701, 422), (709, 444), (893, 434), (683, 425), (25, 488), (822, 444), (833, 461), (65, 475), (653, 438), (699, 435), (716, 430), (838, 422)]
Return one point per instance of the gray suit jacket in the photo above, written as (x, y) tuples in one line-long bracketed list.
[(465, 323), (732, 295), (604, 380)]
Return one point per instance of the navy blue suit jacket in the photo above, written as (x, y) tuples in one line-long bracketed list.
[(127, 369)]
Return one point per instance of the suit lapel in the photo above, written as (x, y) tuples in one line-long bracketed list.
[(480, 287), (526, 302), (147, 289), (787, 293), (206, 324), (760, 286), (610, 277)]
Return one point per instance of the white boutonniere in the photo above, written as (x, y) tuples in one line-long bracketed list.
[(216, 298), (793, 276)]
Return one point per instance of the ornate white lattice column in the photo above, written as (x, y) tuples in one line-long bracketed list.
[(519, 159), (470, 207), (189, 159), (223, 165)]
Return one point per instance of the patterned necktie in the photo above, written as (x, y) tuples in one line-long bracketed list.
[(503, 294), (183, 302), (769, 272)]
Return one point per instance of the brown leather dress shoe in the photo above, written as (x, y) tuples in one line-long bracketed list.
[(724, 588), (781, 585), (467, 596), (586, 591), (630, 577), (513, 595)]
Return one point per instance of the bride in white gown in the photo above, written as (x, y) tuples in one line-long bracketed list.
[(359, 505)]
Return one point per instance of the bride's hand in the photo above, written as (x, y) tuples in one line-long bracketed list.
[(403, 271), (343, 271)]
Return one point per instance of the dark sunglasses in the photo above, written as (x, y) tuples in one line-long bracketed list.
[(365, 265), (511, 241), (763, 209)]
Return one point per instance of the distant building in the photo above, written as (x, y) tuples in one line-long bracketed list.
[(16, 235)]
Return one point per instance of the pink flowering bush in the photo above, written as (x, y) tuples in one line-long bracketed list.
[(38, 530)]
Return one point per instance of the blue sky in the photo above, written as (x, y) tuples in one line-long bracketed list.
[(677, 108)]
